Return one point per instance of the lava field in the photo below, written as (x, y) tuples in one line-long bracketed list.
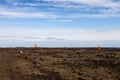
[(59, 64)]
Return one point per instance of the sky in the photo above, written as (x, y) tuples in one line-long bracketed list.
[(60, 23)]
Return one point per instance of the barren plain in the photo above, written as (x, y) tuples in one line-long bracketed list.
[(59, 64)]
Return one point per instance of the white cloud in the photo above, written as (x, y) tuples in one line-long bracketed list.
[(61, 5), (62, 21), (66, 34), (101, 3), (98, 15), (26, 14), (100, 8)]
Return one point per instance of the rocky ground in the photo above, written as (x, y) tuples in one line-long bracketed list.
[(59, 64)]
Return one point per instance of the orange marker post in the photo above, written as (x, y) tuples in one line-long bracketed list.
[(35, 45), (98, 49)]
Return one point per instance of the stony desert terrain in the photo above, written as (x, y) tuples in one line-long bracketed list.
[(59, 64)]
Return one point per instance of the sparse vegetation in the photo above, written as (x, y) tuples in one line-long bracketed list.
[(59, 64)]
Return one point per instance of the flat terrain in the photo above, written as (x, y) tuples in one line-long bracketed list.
[(1, 56), (59, 64)]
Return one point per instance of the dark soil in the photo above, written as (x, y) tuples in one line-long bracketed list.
[(59, 64), (1, 56)]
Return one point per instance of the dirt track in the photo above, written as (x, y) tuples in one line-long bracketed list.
[(60, 64)]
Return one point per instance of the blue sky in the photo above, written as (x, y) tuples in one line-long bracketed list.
[(68, 22)]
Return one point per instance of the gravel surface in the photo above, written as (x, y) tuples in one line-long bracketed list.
[(1, 56), (59, 64)]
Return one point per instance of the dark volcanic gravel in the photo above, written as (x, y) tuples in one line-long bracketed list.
[(1, 56), (59, 64)]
